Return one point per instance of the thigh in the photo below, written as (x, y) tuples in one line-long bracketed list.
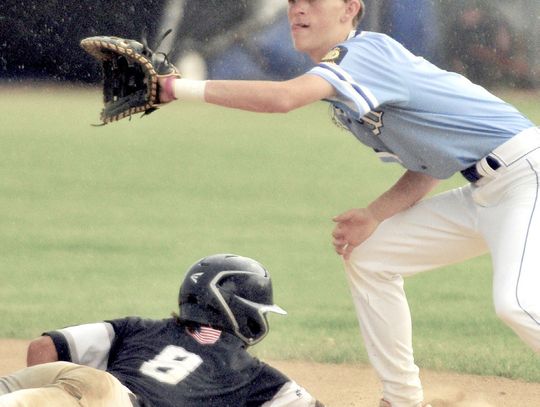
[(512, 230), (34, 386), (61, 381), (437, 231), (34, 376), (43, 396), (94, 388)]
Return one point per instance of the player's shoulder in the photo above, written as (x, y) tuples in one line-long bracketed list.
[(133, 324), (361, 43), (363, 35), (373, 40), (369, 48)]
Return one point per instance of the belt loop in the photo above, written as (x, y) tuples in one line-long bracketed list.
[(488, 166)]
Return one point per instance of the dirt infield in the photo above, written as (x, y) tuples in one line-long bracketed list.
[(357, 386)]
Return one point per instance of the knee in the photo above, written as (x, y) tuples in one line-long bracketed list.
[(85, 382), (364, 263)]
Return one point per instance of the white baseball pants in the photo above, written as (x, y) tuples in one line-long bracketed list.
[(500, 214)]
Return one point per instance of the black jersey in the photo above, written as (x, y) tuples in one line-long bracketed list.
[(166, 364)]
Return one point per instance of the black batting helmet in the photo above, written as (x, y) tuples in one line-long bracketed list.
[(229, 292)]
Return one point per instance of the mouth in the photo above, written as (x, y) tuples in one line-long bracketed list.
[(299, 26)]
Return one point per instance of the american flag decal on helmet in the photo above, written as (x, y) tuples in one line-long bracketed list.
[(205, 335)]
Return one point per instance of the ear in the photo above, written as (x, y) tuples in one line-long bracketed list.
[(352, 8)]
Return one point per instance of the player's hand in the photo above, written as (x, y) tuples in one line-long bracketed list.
[(352, 228), (165, 89)]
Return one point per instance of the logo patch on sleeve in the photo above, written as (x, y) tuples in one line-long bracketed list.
[(335, 55)]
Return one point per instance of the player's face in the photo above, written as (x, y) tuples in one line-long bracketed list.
[(318, 25)]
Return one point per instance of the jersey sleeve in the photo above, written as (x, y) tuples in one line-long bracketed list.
[(271, 388), (365, 73), (291, 395), (87, 344)]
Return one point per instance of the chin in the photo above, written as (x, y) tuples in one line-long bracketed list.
[(299, 46)]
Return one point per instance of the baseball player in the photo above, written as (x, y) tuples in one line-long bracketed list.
[(435, 124), (197, 358)]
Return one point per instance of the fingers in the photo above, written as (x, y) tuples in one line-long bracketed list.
[(345, 234), (338, 237), (339, 245), (340, 241), (344, 217), (344, 248), (347, 250)]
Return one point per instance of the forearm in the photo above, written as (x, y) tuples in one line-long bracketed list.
[(255, 96), (407, 191)]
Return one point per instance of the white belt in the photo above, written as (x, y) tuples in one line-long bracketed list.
[(505, 155), (517, 147)]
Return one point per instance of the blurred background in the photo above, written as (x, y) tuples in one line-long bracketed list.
[(493, 42)]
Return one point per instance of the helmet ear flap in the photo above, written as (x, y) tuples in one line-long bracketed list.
[(250, 320), (254, 328)]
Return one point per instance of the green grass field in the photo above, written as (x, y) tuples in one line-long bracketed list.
[(102, 222)]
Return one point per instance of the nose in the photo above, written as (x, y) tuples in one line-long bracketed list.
[(297, 7)]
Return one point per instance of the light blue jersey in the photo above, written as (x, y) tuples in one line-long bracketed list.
[(410, 111)]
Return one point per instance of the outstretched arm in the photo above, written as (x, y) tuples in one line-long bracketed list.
[(255, 96)]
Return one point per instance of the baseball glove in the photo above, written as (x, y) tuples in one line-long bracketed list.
[(130, 75)]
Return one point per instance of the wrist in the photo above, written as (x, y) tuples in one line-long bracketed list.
[(188, 89), (166, 93), (374, 214)]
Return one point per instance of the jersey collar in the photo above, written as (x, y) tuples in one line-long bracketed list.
[(353, 33)]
